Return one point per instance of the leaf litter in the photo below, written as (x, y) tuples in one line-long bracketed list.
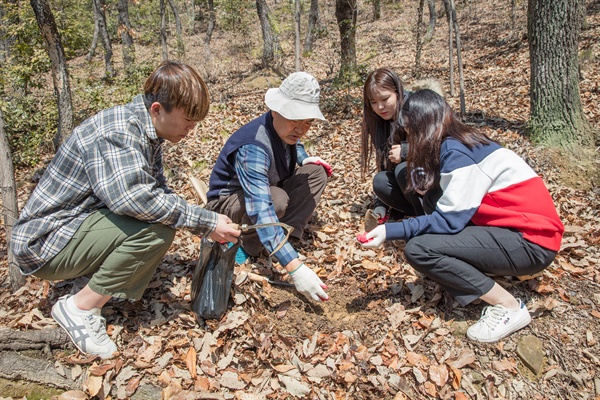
[(386, 332)]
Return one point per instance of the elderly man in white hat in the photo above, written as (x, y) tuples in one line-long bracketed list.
[(263, 175)]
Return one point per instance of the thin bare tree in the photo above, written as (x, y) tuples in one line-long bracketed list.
[(297, 34), (211, 22), (376, 9), (271, 47), (100, 18), (461, 76), (178, 30), (419, 42), (10, 206), (126, 36), (313, 25), (163, 30), (58, 62), (346, 15)]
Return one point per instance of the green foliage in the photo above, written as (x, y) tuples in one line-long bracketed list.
[(235, 15), (75, 23), (91, 94), (30, 126)]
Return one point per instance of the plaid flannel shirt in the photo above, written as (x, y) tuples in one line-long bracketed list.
[(112, 160), (252, 169)]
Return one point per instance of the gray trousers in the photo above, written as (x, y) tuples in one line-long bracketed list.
[(459, 262), (294, 204)]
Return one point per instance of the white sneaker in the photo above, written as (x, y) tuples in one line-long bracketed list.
[(87, 331), (497, 322)]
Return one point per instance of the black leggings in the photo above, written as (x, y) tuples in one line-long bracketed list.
[(390, 188), (459, 262)]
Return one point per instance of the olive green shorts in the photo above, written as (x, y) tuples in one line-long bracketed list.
[(120, 253)]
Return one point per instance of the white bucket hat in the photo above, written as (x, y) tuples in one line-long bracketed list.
[(296, 98)]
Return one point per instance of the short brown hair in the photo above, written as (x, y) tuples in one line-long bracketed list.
[(177, 85)]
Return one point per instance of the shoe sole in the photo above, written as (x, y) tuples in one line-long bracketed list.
[(520, 326)]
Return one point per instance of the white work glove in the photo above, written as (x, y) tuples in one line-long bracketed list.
[(375, 237), (308, 283), (319, 161)]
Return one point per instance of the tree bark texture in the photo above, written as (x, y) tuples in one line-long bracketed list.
[(346, 13), (34, 339), (3, 38), (94, 43), (163, 30), (100, 16), (60, 75), (211, 22), (419, 41), (297, 34), (376, 9), (15, 366), (557, 117), (126, 37), (271, 47), (432, 19), (10, 206), (313, 25), (450, 46), (461, 76), (178, 29)]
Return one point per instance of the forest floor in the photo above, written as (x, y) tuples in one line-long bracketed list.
[(387, 332)]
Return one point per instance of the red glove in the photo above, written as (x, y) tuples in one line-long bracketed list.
[(319, 161)]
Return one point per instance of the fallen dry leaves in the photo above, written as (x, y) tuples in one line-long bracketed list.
[(386, 333)]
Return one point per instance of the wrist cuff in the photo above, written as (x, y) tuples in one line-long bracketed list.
[(301, 264)]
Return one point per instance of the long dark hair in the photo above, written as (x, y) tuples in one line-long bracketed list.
[(428, 120), (376, 133)]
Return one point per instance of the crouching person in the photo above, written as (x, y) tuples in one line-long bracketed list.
[(263, 175), (103, 210)]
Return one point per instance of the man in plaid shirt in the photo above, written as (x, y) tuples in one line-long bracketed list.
[(263, 175), (103, 209)]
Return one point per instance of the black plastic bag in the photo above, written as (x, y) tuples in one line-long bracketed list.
[(211, 284)]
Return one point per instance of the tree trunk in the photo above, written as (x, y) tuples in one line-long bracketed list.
[(60, 75), (94, 43), (557, 117), (346, 13), (125, 28), (376, 9), (192, 17), (461, 77), (418, 40), (178, 30), (163, 30), (297, 34), (211, 22), (432, 19), (103, 32), (313, 25), (450, 46), (3, 39), (10, 206), (271, 47)]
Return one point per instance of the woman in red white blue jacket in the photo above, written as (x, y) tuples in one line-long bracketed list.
[(494, 215)]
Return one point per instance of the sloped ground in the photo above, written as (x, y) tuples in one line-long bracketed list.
[(387, 332)]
